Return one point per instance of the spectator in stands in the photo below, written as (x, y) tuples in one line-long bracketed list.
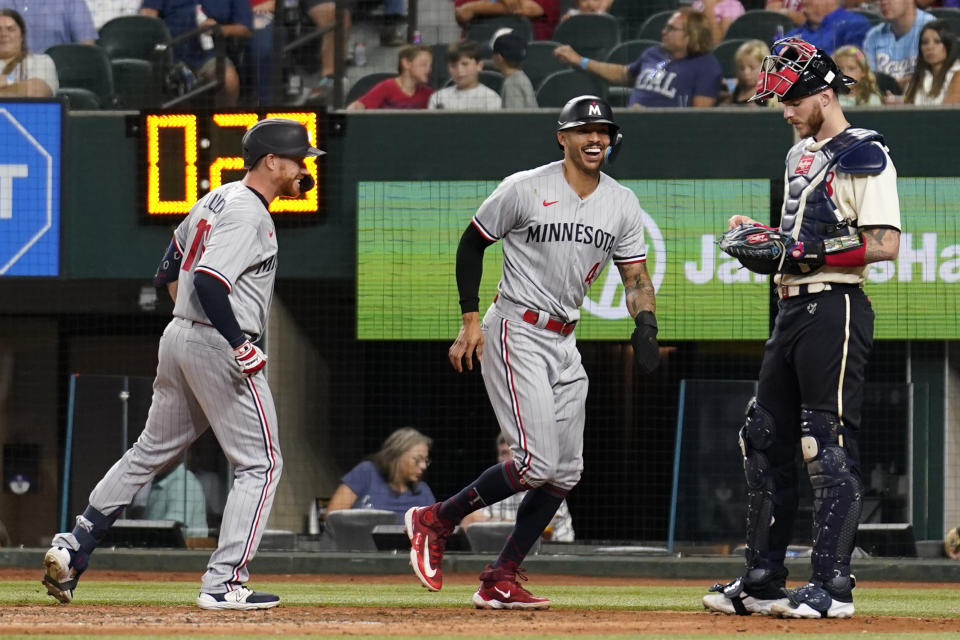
[(466, 94), (235, 18), (509, 52), (829, 26), (543, 14), (54, 22), (24, 74), (103, 11), (935, 79), (323, 14), (853, 63), (408, 90), (891, 47), (793, 9), (390, 479), (747, 60), (260, 49), (588, 6), (681, 72), (560, 528), (720, 14)]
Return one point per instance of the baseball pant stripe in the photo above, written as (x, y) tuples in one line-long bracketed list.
[(268, 450), (843, 358), (515, 401)]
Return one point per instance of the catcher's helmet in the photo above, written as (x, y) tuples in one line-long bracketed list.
[(798, 69), (589, 110), (278, 136)]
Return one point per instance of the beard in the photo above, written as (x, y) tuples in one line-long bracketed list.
[(814, 123), (291, 188), (581, 165)]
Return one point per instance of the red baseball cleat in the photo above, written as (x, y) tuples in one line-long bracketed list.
[(499, 589), (428, 540)]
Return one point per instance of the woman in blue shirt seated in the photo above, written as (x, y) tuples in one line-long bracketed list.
[(390, 478)]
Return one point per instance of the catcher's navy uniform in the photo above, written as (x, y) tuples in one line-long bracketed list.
[(812, 375)]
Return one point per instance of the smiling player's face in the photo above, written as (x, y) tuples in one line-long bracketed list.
[(585, 146), (289, 172)]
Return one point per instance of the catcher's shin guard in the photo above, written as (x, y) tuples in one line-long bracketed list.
[(756, 436), (837, 492)]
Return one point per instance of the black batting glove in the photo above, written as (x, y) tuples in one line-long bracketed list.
[(803, 257), (646, 350)]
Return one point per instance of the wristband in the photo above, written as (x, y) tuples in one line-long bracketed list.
[(584, 62)]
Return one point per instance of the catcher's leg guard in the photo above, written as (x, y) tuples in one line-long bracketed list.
[(837, 495), (756, 437)]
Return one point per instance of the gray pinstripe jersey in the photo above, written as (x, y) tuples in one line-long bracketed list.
[(229, 235), (555, 244)]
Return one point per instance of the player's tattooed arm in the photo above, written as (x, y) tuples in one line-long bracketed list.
[(638, 287), (881, 243)]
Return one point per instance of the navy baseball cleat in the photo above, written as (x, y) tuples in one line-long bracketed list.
[(240, 598), (499, 589), (59, 577), (812, 600)]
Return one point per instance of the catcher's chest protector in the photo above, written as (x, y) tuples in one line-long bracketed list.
[(809, 171)]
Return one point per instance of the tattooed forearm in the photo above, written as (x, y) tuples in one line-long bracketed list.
[(882, 243), (638, 288)]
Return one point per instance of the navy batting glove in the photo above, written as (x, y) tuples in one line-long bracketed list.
[(646, 350)]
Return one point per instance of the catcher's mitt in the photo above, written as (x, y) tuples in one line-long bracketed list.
[(758, 248)]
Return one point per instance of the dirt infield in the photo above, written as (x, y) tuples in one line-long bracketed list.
[(140, 620)]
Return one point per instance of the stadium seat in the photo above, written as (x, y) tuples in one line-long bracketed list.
[(133, 37), (950, 15), (725, 52), (481, 30), (79, 99), (557, 88), (632, 13), (352, 529), (627, 52), (759, 24), (365, 83), (84, 66), (591, 35), (652, 27), (439, 74), (134, 82), (540, 61)]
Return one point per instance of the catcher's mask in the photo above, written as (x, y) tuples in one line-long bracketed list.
[(798, 69), (588, 110)]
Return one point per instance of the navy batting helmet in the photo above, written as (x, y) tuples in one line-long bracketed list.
[(589, 110), (278, 136), (798, 69)]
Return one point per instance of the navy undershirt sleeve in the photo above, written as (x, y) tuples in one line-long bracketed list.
[(470, 268), (213, 298)]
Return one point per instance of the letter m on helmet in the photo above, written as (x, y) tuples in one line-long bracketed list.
[(594, 110)]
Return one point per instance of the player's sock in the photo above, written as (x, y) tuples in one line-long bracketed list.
[(535, 513), (493, 485), (90, 530)]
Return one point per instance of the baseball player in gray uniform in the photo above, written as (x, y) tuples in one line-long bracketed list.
[(220, 269), (560, 225)]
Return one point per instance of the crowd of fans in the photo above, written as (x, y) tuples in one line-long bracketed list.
[(897, 50)]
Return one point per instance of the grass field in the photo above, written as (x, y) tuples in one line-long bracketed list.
[(364, 607)]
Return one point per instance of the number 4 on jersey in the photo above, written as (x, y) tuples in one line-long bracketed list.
[(203, 228), (592, 274)]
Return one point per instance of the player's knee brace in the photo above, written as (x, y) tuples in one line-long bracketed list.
[(756, 437), (837, 492)]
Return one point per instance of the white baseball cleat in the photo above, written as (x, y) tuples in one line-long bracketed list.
[(739, 605), (812, 601), (240, 598), (59, 579)]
